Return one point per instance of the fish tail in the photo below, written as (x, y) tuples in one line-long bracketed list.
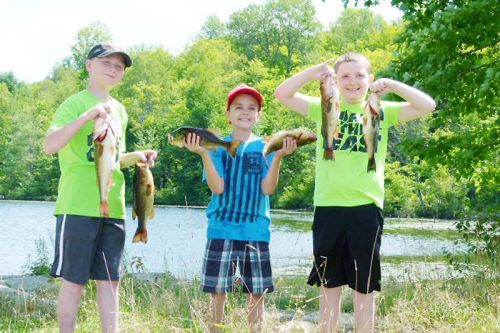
[(104, 209), (233, 147), (328, 154), (140, 236), (372, 166)]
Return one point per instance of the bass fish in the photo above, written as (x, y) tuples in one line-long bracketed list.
[(302, 136), (208, 139), (330, 115), (105, 145), (144, 190), (371, 128)]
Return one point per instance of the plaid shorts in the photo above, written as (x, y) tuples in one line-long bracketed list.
[(223, 256)]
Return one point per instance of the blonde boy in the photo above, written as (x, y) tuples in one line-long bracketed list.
[(87, 245)]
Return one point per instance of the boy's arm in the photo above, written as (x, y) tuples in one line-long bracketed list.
[(268, 184), (287, 92), (146, 156), (214, 181), (418, 102), (58, 138)]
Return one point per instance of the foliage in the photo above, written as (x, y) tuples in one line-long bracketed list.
[(443, 52), (279, 33)]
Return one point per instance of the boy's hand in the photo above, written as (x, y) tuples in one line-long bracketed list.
[(381, 87), (101, 110), (192, 143), (147, 156), (289, 146), (321, 70)]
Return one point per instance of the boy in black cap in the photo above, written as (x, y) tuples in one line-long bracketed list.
[(89, 246)]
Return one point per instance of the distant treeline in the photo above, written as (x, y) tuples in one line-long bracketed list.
[(443, 166)]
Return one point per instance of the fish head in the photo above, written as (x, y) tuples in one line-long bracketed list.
[(177, 137), (327, 86), (142, 171), (306, 137)]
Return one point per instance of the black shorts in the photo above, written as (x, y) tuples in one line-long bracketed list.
[(346, 245), (88, 248)]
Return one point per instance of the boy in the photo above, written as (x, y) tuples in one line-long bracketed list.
[(348, 200), (87, 245), (239, 213)]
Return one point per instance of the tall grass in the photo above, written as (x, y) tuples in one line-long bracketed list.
[(165, 304)]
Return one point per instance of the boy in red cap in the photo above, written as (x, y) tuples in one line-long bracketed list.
[(239, 211), (87, 245)]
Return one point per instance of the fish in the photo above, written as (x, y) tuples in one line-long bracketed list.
[(330, 115), (371, 128), (106, 158), (274, 142), (208, 139), (142, 208)]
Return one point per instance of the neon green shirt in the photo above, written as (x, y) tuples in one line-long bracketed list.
[(78, 193), (345, 181)]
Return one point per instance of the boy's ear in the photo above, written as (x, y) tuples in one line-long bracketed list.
[(88, 65), (372, 78)]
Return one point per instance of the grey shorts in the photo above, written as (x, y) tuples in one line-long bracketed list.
[(88, 248), (224, 256)]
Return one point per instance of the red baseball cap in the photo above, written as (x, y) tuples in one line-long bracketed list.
[(244, 89)]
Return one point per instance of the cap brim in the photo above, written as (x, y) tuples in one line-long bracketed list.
[(126, 57)]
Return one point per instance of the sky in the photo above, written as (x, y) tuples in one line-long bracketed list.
[(37, 34)]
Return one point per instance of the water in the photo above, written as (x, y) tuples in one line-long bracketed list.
[(176, 240)]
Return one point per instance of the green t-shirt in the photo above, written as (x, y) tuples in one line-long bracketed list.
[(78, 193), (345, 182)]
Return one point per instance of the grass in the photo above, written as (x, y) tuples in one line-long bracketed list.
[(469, 304)]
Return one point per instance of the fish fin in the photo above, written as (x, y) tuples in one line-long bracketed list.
[(328, 154), (152, 214), (372, 166), (104, 209), (233, 147), (134, 213), (149, 190), (140, 236), (213, 131)]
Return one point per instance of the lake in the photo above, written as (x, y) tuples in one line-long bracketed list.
[(176, 240)]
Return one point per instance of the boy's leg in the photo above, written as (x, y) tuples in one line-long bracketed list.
[(217, 301), (329, 308), (68, 302), (106, 271), (255, 312), (364, 312), (107, 300)]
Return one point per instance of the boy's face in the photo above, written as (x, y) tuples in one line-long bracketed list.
[(353, 81), (243, 112), (107, 71)]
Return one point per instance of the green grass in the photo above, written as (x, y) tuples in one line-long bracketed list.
[(168, 305)]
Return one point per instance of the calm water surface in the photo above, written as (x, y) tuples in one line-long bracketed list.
[(176, 240)]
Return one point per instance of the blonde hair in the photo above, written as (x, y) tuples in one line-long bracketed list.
[(353, 57)]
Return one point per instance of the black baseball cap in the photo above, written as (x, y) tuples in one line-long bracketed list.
[(104, 50)]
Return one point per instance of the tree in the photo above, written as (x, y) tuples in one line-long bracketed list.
[(85, 39), (279, 33), (447, 54), (213, 28)]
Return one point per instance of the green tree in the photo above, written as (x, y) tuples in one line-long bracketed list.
[(279, 33), (213, 28), (447, 54), (85, 39)]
